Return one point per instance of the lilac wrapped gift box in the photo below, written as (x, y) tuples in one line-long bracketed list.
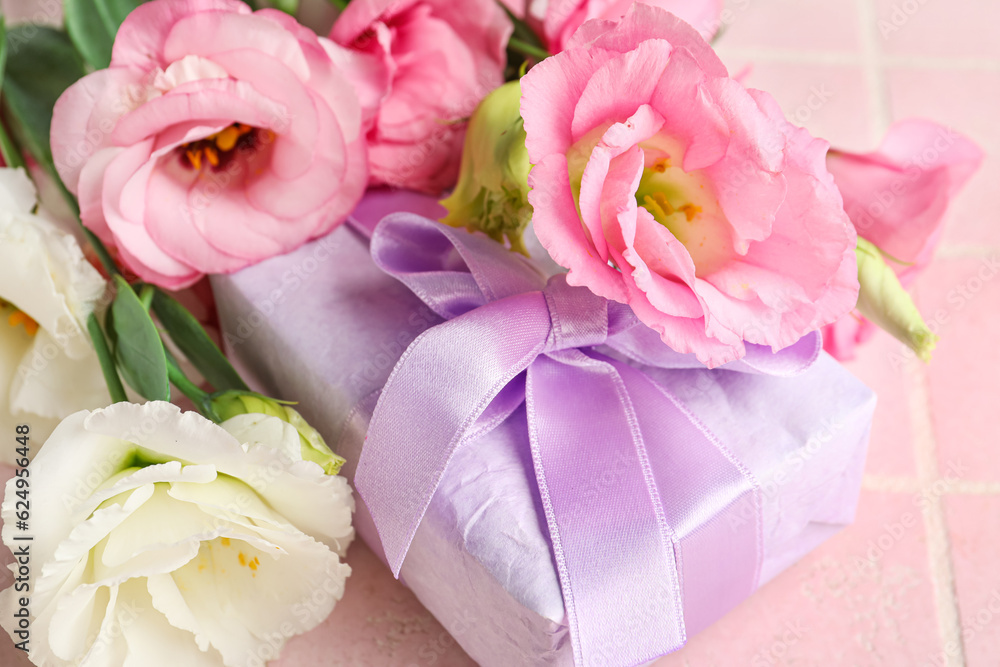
[(325, 326)]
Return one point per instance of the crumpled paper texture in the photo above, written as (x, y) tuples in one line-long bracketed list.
[(324, 326)]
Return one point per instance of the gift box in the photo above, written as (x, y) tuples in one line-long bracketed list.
[(599, 500)]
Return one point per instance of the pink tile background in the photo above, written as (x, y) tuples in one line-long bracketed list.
[(915, 582)]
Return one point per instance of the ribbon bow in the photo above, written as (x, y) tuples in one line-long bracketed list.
[(655, 526)]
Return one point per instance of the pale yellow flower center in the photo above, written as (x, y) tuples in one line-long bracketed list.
[(224, 554), (685, 203)]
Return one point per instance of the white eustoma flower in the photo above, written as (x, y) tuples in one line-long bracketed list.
[(48, 368), (161, 538)]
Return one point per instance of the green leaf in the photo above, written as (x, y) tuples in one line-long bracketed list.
[(287, 6), (107, 362), (138, 348), (188, 334), (113, 12), (11, 155), (109, 327), (93, 24), (90, 34), (41, 64)]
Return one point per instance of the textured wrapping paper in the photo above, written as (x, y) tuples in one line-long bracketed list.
[(325, 326)]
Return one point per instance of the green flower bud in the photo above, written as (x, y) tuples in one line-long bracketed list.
[(884, 301), (492, 190), (232, 403)]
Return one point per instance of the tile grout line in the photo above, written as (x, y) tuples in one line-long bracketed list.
[(925, 447), (890, 484), (941, 63), (972, 488), (963, 250), (935, 522), (948, 487), (792, 57), (874, 77)]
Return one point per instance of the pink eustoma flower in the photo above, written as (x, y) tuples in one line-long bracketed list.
[(217, 138), (426, 64), (557, 20), (897, 197), (661, 182)]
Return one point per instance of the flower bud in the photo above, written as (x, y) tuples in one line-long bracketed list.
[(233, 403), (492, 190), (884, 301)]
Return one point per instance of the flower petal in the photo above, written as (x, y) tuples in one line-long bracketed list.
[(142, 36)]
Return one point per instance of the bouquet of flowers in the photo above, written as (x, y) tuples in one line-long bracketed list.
[(620, 303)]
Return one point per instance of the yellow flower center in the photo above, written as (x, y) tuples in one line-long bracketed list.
[(20, 318), (216, 149)]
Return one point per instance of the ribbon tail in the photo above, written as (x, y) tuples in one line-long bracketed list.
[(712, 500), (618, 559), (445, 380)]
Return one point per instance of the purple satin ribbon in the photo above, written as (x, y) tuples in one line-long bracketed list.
[(655, 526)]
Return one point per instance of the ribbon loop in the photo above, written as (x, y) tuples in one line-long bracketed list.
[(416, 426), (451, 270)]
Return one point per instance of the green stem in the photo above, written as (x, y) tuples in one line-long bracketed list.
[(177, 378), (181, 381), (11, 155), (107, 362), (340, 4), (146, 296), (201, 398), (526, 49)]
